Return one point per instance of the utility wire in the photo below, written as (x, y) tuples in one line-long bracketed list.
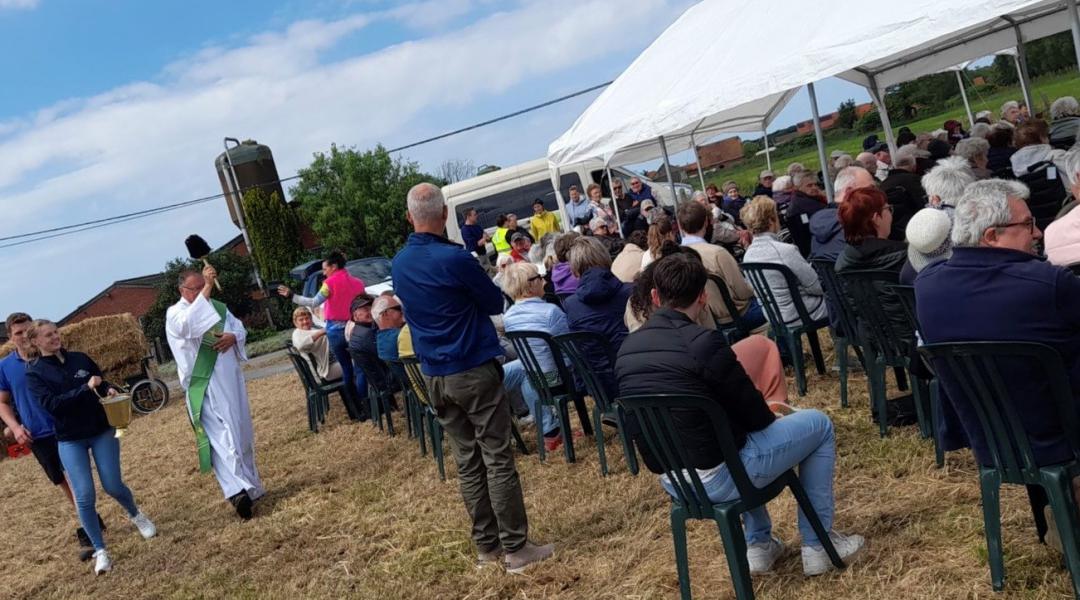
[(55, 232)]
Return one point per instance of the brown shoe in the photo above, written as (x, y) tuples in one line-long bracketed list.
[(517, 562), (491, 557)]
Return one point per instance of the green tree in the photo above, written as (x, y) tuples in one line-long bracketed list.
[(845, 114), (356, 200), (275, 233), (234, 274), (869, 122)]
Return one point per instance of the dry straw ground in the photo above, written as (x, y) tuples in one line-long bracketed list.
[(353, 514)]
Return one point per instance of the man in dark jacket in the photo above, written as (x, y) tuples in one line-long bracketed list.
[(997, 276), (827, 237), (671, 354), (807, 200), (598, 304), (362, 344), (904, 189), (448, 301)]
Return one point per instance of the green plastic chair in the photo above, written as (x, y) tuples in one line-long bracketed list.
[(427, 413), (559, 396), (578, 346), (380, 398), (973, 368), (884, 342), (654, 415), (837, 301), (791, 335), (906, 293), (412, 405), (316, 390), (735, 330)]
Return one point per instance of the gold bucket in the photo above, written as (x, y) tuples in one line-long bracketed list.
[(118, 411)]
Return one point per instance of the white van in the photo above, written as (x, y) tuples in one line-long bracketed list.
[(513, 190)]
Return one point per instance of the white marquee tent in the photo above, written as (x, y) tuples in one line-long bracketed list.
[(732, 65)]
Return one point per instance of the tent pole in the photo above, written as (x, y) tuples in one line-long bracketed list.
[(963, 94), (883, 112), (697, 161), (1074, 18), (667, 170), (820, 142), (1021, 68), (768, 158)]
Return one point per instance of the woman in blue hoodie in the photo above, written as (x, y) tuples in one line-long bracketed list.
[(69, 386), (598, 304)]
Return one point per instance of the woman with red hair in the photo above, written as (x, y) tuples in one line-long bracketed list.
[(866, 218)]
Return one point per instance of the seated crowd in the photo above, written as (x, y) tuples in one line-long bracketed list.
[(947, 212)]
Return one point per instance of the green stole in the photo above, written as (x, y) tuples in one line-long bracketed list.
[(200, 380)]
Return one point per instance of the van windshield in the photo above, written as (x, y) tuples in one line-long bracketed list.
[(519, 200)]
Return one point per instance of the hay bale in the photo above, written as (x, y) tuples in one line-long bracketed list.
[(115, 342)]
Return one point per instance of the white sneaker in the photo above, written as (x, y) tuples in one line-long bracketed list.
[(102, 563), (815, 561), (763, 556), (145, 525)]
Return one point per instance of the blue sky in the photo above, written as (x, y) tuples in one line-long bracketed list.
[(120, 105)]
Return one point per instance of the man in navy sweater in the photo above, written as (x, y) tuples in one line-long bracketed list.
[(996, 288), (448, 302)]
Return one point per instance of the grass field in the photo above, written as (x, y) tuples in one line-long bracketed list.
[(1053, 87), (351, 513)]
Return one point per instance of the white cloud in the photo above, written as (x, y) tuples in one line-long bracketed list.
[(151, 143), (18, 4)]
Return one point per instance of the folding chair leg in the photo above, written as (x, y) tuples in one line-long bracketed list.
[(815, 351), (878, 398), (598, 433), (797, 363), (990, 484), (437, 445), (583, 415), (422, 430), (627, 443), (920, 394), (682, 564), (563, 405), (731, 532), (935, 422), (812, 517)]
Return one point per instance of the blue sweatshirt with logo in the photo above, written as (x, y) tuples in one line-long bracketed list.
[(61, 388)]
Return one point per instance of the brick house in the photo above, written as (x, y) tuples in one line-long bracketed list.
[(135, 296), (829, 120), (717, 155)]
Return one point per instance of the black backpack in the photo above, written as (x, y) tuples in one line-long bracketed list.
[(1047, 192)]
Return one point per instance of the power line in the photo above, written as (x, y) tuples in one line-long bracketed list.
[(55, 232)]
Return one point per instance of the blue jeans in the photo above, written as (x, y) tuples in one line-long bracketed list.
[(75, 455), (804, 438), (356, 394), (515, 378), (754, 316)]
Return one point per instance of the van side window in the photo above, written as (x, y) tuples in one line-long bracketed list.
[(519, 200)]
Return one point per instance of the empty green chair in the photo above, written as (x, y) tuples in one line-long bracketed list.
[(316, 390), (578, 346), (791, 335), (973, 371), (654, 416)]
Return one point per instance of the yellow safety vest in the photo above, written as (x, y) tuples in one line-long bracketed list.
[(502, 245)]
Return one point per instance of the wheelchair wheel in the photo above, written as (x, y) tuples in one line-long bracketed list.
[(148, 396)]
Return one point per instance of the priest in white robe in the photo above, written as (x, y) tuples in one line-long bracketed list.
[(207, 342)]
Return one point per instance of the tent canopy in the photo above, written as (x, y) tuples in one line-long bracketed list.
[(732, 66)]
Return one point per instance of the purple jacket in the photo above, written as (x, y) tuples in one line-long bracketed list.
[(563, 280)]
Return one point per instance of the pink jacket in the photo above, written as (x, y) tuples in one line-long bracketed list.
[(340, 289), (1062, 239)]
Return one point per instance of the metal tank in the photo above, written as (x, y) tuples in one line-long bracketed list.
[(253, 165)]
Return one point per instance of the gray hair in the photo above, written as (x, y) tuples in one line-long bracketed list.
[(980, 130), (949, 179), (184, 274), (845, 179), (381, 303), (972, 147), (426, 203), (984, 114), (700, 197), (800, 177), (588, 253), (1065, 106), (1072, 164), (1011, 104), (782, 183), (867, 160), (905, 156), (795, 168), (843, 161), (516, 279), (985, 204)]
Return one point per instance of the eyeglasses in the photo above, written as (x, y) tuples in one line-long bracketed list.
[(1029, 223), (888, 207), (535, 277), (190, 289), (397, 308)]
